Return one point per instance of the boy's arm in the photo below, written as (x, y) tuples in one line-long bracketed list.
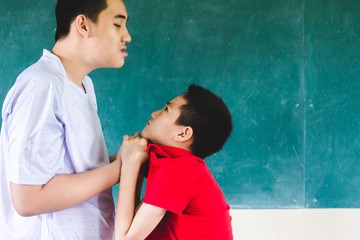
[(147, 217), (126, 227), (139, 185), (63, 190), (145, 221)]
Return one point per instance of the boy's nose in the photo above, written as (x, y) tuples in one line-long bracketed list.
[(154, 114), (127, 37)]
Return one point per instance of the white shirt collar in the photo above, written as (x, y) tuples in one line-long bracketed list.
[(55, 61)]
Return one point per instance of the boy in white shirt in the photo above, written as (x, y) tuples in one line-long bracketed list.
[(55, 171)]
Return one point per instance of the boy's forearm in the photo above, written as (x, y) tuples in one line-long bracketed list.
[(126, 200), (139, 186), (64, 190)]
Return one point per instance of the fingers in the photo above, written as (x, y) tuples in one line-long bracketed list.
[(133, 149), (137, 136), (129, 137)]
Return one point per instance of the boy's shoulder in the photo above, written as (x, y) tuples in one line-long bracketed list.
[(44, 70), (177, 162)]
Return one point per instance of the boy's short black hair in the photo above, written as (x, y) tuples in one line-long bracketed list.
[(209, 118), (67, 10)]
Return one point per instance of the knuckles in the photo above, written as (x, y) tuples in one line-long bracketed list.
[(135, 141)]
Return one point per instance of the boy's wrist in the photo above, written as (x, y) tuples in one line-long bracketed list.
[(131, 165)]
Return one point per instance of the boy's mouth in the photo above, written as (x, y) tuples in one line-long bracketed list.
[(124, 52)]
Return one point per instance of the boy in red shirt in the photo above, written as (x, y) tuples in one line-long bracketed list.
[(182, 199)]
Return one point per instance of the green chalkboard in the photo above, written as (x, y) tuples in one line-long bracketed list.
[(332, 149), (286, 69)]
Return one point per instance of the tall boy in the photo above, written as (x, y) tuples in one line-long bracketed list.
[(182, 199), (54, 166)]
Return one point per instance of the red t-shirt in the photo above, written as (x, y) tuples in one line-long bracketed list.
[(181, 183)]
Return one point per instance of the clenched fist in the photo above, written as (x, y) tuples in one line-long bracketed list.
[(133, 150)]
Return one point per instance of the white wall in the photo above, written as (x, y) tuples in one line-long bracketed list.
[(296, 224)]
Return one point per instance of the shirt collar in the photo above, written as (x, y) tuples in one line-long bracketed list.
[(167, 151), (55, 61)]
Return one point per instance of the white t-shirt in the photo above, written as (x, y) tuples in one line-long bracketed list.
[(51, 126)]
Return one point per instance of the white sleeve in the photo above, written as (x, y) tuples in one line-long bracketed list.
[(35, 133)]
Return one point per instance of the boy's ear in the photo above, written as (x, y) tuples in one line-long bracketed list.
[(185, 133), (82, 25)]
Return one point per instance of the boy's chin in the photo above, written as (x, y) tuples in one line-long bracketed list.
[(145, 135)]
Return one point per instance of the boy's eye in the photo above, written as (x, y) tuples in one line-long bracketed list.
[(117, 25), (166, 108)]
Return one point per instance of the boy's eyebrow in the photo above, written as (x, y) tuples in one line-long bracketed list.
[(121, 16), (169, 103)]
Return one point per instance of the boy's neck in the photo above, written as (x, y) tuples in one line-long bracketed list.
[(73, 60)]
